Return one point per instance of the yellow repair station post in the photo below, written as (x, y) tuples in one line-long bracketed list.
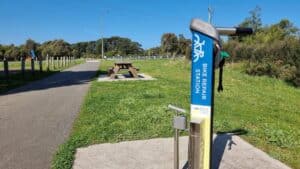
[(202, 86)]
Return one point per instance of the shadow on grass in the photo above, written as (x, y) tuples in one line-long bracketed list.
[(43, 80), (16, 78), (102, 72)]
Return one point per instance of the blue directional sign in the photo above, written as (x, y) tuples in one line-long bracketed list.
[(32, 54)]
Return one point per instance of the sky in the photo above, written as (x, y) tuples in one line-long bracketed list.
[(143, 21)]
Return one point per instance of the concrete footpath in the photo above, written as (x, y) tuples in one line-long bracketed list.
[(36, 118), (230, 152)]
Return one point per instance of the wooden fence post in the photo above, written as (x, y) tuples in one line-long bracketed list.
[(65, 64), (23, 67), (57, 62), (48, 62), (41, 64), (61, 63), (32, 66), (6, 71), (53, 62)]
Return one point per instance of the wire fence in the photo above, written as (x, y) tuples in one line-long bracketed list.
[(25, 66), (143, 57)]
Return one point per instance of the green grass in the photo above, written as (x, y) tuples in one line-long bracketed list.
[(16, 79), (268, 109)]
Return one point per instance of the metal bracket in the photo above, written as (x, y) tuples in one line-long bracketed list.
[(179, 123)]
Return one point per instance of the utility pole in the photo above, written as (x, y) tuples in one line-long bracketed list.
[(102, 41), (102, 38), (210, 12), (102, 48)]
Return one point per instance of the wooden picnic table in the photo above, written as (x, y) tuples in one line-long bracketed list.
[(123, 66)]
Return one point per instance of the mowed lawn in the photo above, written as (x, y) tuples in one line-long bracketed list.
[(268, 109)]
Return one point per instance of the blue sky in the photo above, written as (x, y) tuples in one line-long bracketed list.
[(143, 21)]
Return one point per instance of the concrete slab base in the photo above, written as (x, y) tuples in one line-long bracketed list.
[(124, 77), (229, 152)]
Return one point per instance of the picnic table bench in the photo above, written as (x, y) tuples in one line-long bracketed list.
[(133, 71)]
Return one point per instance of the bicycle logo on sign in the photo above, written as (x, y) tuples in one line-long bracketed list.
[(198, 51)]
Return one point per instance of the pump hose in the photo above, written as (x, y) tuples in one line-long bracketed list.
[(221, 65)]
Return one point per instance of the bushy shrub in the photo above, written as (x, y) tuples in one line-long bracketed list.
[(279, 59)]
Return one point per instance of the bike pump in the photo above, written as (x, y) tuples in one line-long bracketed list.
[(205, 58)]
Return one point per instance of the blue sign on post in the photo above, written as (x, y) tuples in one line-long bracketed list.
[(201, 93), (32, 54), (202, 73)]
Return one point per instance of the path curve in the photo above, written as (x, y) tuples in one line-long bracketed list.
[(36, 118)]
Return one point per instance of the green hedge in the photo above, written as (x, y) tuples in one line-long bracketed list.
[(279, 59)]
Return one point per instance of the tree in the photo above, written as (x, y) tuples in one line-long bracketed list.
[(56, 48), (2, 52), (30, 45), (287, 27), (183, 46), (75, 53), (61, 48), (153, 51), (112, 46), (120, 46), (254, 20), (169, 43), (91, 47), (23, 52), (12, 52)]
